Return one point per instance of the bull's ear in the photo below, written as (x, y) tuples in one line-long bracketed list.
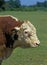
[(17, 28)]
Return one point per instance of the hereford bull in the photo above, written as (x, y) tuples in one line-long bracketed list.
[(14, 33)]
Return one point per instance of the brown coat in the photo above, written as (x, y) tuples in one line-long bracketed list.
[(7, 23)]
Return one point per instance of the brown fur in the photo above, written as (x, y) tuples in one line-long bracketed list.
[(7, 23)]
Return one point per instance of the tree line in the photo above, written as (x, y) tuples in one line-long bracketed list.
[(16, 5)]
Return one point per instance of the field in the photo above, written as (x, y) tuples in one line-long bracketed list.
[(30, 56)]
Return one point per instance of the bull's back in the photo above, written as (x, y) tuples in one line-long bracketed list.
[(7, 23)]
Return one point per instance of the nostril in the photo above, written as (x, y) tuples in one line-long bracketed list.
[(37, 44)]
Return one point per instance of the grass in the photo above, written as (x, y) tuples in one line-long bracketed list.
[(30, 56)]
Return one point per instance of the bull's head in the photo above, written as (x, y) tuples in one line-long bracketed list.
[(26, 35)]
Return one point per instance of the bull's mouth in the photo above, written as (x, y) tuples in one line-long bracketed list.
[(35, 45), (29, 46)]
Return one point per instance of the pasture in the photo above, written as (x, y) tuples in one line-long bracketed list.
[(30, 56)]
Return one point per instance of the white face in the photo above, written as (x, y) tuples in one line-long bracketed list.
[(28, 34)]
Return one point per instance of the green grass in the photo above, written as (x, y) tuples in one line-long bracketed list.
[(30, 56)]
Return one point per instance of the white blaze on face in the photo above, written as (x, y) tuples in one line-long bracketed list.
[(29, 34)]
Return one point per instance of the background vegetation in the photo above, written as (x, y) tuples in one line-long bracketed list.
[(16, 5), (30, 56)]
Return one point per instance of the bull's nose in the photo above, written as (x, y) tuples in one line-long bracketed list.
[(37, 44)]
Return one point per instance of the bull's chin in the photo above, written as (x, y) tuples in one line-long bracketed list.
[(25, 46), (34, 46)]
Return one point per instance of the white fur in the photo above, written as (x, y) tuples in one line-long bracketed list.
[(31, 31), (17, 28)]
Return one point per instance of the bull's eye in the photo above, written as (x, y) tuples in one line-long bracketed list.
[(26, 32)]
